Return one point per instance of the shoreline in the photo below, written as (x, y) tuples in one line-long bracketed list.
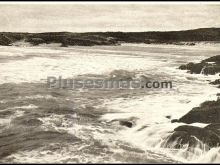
[(208, 112), (187, 37)]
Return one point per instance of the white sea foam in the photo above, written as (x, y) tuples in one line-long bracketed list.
[(37, 97), (151, 110), (38, 68)]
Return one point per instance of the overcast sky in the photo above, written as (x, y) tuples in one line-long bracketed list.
[(107, 17)]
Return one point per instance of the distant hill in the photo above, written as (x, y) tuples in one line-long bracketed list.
[(111, 38)]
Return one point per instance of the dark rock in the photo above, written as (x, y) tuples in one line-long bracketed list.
[(208, 66), (174, 121), (183, 67), (215, 59), (168, 117), (130, 122), (215, 127), (211, 70), (126, 123), (143, 127), (191, 44), (208, 112), (190, 135), (216, 82), (192, 67)]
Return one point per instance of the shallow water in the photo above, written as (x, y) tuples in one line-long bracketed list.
[(59, 125)]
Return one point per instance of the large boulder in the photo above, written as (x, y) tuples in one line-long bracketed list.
[(215, 59), (207, 112), (216, 82), (192, 67), (191, 137), (211, 70)]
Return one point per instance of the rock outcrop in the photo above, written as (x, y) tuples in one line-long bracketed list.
[(207, 112), (192, 137), (208, 66), (216, 82)]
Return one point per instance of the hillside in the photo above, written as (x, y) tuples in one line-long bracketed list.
[(111, 38)]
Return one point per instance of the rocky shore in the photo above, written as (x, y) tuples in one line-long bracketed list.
[(207, 113), (65, 39), (208, 66)]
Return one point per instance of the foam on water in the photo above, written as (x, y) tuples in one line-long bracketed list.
[(152, 127), (151, 110), (37, 69)]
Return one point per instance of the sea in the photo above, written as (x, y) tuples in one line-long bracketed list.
[(39, 124)]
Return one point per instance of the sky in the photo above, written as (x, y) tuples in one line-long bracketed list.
[(107, 17)]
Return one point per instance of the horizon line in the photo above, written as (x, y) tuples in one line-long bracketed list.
[(112, 31)]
